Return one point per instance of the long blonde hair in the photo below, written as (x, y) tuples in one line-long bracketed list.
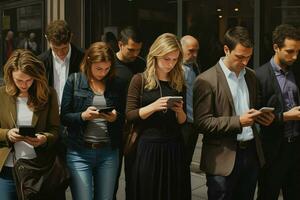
[(28, 63), (163, 45)]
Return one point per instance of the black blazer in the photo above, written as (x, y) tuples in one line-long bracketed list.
[(75, 60), (270, 95)]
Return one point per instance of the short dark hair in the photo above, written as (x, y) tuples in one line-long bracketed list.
[(285, 31), (58, 32), (237, 35), (130, 32)]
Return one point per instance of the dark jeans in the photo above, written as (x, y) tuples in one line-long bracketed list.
[(283, 173), (190, 137), (241, 183)]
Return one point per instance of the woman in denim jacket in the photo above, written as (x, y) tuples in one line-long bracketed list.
[(93, 136)]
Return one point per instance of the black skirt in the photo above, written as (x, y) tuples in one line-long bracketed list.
[(160, 170)]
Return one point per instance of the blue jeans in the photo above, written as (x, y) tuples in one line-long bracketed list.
[(93, 172), (7, 184)]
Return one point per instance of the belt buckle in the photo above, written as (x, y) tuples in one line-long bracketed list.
[(290, 139), (243, 144), (94, 146)]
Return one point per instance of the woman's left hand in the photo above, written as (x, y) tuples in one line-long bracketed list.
[(177, 107), (40, 139), (109, 116)]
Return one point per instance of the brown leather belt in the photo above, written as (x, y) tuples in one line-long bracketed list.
[(245, 144), (92, 145)]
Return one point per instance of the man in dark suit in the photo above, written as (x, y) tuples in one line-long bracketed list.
[(224, 111), (63, 58), (279, 83)]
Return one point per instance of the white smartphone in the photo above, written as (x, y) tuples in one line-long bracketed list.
[(172, 99), (266, 109)]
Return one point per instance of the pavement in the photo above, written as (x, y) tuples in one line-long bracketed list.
[(198, 180)]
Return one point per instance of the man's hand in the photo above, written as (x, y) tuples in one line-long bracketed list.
[(265, 118), (292, 114), (248, 118)]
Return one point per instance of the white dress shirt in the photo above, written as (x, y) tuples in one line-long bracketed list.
[(240, 94), (60, 73)]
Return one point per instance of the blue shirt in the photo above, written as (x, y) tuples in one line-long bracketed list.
[(289, 92), (240, 95), (190, 77)]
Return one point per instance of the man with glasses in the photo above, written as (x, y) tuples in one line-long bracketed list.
[(63, 58)]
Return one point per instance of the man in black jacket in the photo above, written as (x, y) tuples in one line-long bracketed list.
[(63, 58), (279, 88)]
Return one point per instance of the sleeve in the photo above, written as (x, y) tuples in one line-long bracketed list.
[(52, 125), (206, 118), (133, 98)]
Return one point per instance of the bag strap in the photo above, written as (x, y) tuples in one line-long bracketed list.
[(75, 81), (141, 89)]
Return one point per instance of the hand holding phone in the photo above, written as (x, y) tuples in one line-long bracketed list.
[(107, 109), (172, 99), (27, 131), (266, 109)]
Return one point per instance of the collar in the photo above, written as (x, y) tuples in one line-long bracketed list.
[(228, 73), (277, 69), (67, 58)]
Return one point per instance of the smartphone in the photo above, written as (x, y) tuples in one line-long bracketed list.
[(173, 99), (266, 109), (106, 109), (27, 131)]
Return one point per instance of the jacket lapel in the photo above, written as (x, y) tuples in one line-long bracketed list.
[(224, 84), (35, 118), (251, 88), (13, 111)]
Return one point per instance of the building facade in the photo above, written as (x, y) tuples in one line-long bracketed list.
[(207, 20)]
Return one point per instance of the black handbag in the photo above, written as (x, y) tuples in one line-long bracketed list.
[(36, 179)]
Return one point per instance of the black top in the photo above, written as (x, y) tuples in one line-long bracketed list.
[(125, 71)]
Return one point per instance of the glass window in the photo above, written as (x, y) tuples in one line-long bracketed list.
[(276, 12), (21, 28), (209, 20)]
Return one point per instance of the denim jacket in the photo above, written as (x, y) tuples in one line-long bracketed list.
[(78, 96)]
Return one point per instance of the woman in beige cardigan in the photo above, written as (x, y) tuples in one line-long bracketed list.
[(25, 100)]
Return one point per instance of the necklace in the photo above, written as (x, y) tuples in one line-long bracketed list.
[(97, 87)]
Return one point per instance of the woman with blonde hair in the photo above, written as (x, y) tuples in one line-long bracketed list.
[(94, 133), (160, 171), (26, 100)]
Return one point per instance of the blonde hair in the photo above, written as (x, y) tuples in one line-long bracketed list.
[(98, 52), (164, 44), (25, 61)]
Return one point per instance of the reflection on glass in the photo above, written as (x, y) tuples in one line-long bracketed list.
[(21, 28)]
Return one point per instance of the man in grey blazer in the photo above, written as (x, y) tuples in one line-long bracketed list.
[(225, 101)]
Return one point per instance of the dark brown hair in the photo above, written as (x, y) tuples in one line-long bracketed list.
[(285, 31), (98, 52), (237, 35)]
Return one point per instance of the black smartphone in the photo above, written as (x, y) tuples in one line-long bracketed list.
[(106, 109), (27, 131)]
